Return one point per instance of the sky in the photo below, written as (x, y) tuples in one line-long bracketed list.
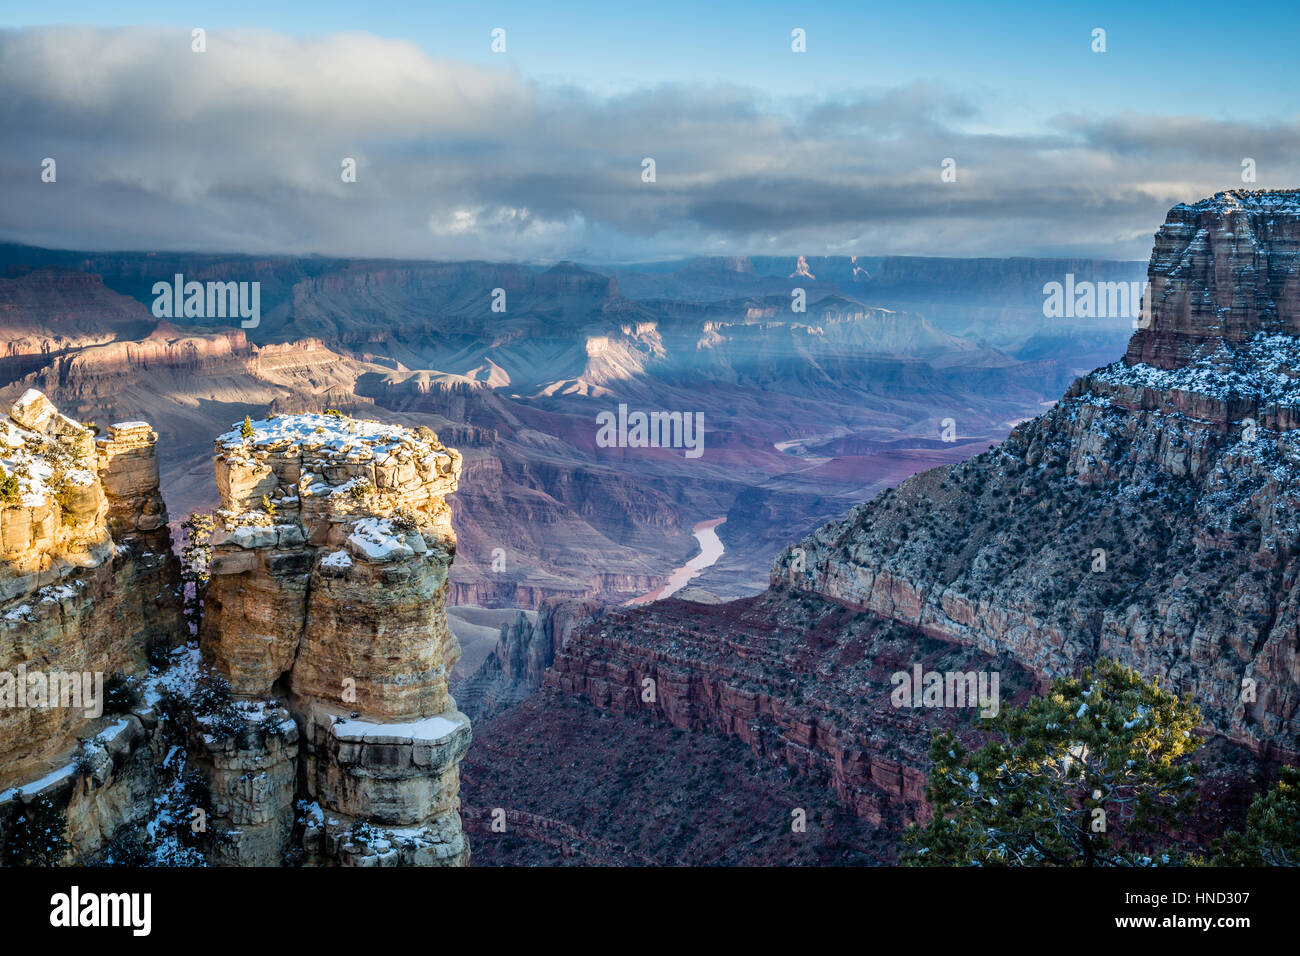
[(537, 153)]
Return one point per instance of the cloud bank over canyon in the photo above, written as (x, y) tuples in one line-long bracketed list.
[(240, 148)]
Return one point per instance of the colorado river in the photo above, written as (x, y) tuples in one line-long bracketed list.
[(710, 550)]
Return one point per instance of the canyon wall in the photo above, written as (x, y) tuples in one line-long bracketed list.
[(312, 723), (1150, 516), (88, 579), (524, 651), (803, 683), (1222, 271)]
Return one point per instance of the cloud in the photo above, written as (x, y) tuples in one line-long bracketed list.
[(240, 149)]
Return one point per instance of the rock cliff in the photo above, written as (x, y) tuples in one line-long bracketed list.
[(88, 587), (805, 683), (87, 580), (525, 649), (324, 615), (329, 579), (1150, 516), (1223, 270)]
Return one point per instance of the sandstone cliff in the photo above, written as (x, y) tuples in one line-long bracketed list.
[(88, 580), (329, 578), (88, 585), (324, 613)]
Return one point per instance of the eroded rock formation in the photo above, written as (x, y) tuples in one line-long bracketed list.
[(329, 580), (88, 584), (526, 648), (324, 614)]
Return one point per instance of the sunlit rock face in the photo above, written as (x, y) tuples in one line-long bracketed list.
[(1150, 516), (87, 577), (329, 581)]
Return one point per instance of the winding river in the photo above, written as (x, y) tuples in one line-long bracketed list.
[(710, 550)]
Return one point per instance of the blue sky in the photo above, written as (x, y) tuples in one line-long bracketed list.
[(537, 154)]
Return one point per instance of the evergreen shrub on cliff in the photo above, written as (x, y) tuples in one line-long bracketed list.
[(1091, 774), (37, 835)]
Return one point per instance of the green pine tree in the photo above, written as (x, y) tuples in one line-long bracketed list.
[(1272, 834), (1084, 776), (11, 492), (246, 430)]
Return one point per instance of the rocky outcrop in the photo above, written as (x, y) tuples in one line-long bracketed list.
[(112, 787), (1222, 270), (128, 469), (87, 579), (252, 779), (1149, 516), (324, 613), (88, 584), (329, 580)]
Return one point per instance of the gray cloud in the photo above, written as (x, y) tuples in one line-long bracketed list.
[(239, 149)]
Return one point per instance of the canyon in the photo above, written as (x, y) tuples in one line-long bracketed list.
[(884, 486), (860, 383), (1148, 516)]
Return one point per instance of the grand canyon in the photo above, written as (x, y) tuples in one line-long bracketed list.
[(413, 540), (849, 448)]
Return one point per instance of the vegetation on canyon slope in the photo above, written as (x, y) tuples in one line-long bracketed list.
[(1094, 773), (1272, 834)]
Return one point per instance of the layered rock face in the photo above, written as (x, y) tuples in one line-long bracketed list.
[(88, 583), (526, 648), (806, 683), (50, 310), (1150, 516), (1222, 270), (87, 579), (329, 580)]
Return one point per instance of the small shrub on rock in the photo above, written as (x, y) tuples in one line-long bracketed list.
[(37, 835), (10, 491)]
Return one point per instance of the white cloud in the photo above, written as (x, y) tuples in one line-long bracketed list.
[(239, 149)]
